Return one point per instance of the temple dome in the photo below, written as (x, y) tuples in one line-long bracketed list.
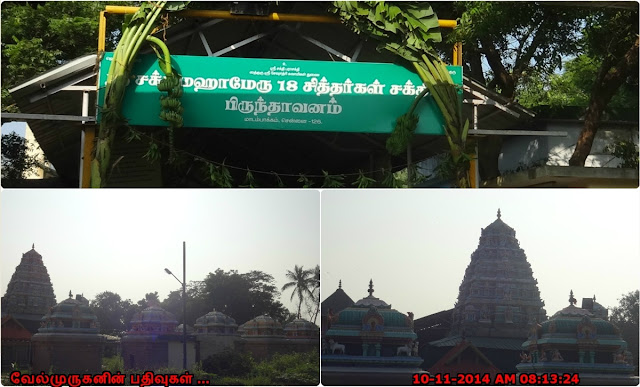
[(301, 329), (179, 329), (370, 300), (153, 320), (216, 322), (70, 316), (569, 320), (263, 325)]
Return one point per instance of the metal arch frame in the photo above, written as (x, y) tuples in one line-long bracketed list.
[(88, 135)]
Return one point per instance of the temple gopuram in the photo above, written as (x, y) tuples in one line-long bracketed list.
[(28, 297), (368, 343), (497, 301), (29, 294), (579, 341)]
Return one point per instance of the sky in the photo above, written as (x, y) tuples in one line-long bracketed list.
[(18, 127), (416, 244), (121, 240)]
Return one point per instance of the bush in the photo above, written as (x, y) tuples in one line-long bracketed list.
[(113, 364), (295, 369), (229, 363)]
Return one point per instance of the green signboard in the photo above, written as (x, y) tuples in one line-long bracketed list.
[(281, 94)]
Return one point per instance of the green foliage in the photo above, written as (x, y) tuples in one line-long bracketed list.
[(573, 87), (219, 175), (627, 151), (625, 317), (16, 160), (253, 294), (628, 310), (39, 36), (249, 180), (113, 364), (306, 182), (390, 179), (332, 181), (402, 134), (229, 363), (302, 282), (363, 181), (295, 369), (407, 29), (113, 313), (523, 35)]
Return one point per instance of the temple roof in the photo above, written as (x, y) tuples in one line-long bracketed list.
[(499, 227), (301, 329), (72, 315), (464, 357), (13, 330), (370, 300), (337, 301), (263, 325)]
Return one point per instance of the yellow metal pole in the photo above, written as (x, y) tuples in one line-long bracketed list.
[(102, 32), (283, 17)]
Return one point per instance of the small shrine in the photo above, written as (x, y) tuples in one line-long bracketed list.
[(68, 340), (263, 336), (154, 342), (369, 343), (302, 335), (579, 341), (216, 332)]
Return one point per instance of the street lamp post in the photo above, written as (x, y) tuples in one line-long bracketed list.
[(184, 302)]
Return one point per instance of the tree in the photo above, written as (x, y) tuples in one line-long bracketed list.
[(302, 282), (410, 30), (514, 39), (150, 299), (17, 162), (625, 317), (113, 313), (38, 36), (136, 30), (611, 36), (313, 302), (196, 302), (627, 312), (243, 296)]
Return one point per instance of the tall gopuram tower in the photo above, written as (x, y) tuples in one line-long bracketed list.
[(498, 296), (29, 293), (498, 301)]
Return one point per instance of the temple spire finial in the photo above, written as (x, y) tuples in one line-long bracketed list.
[(572, 300), (33, 246), (70, 294), (499, 213), (340, 284), (370, 288)]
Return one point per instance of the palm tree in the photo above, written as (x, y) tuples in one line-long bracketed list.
[(302, 281)]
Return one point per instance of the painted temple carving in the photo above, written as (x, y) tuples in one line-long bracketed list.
[(498, 296)]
